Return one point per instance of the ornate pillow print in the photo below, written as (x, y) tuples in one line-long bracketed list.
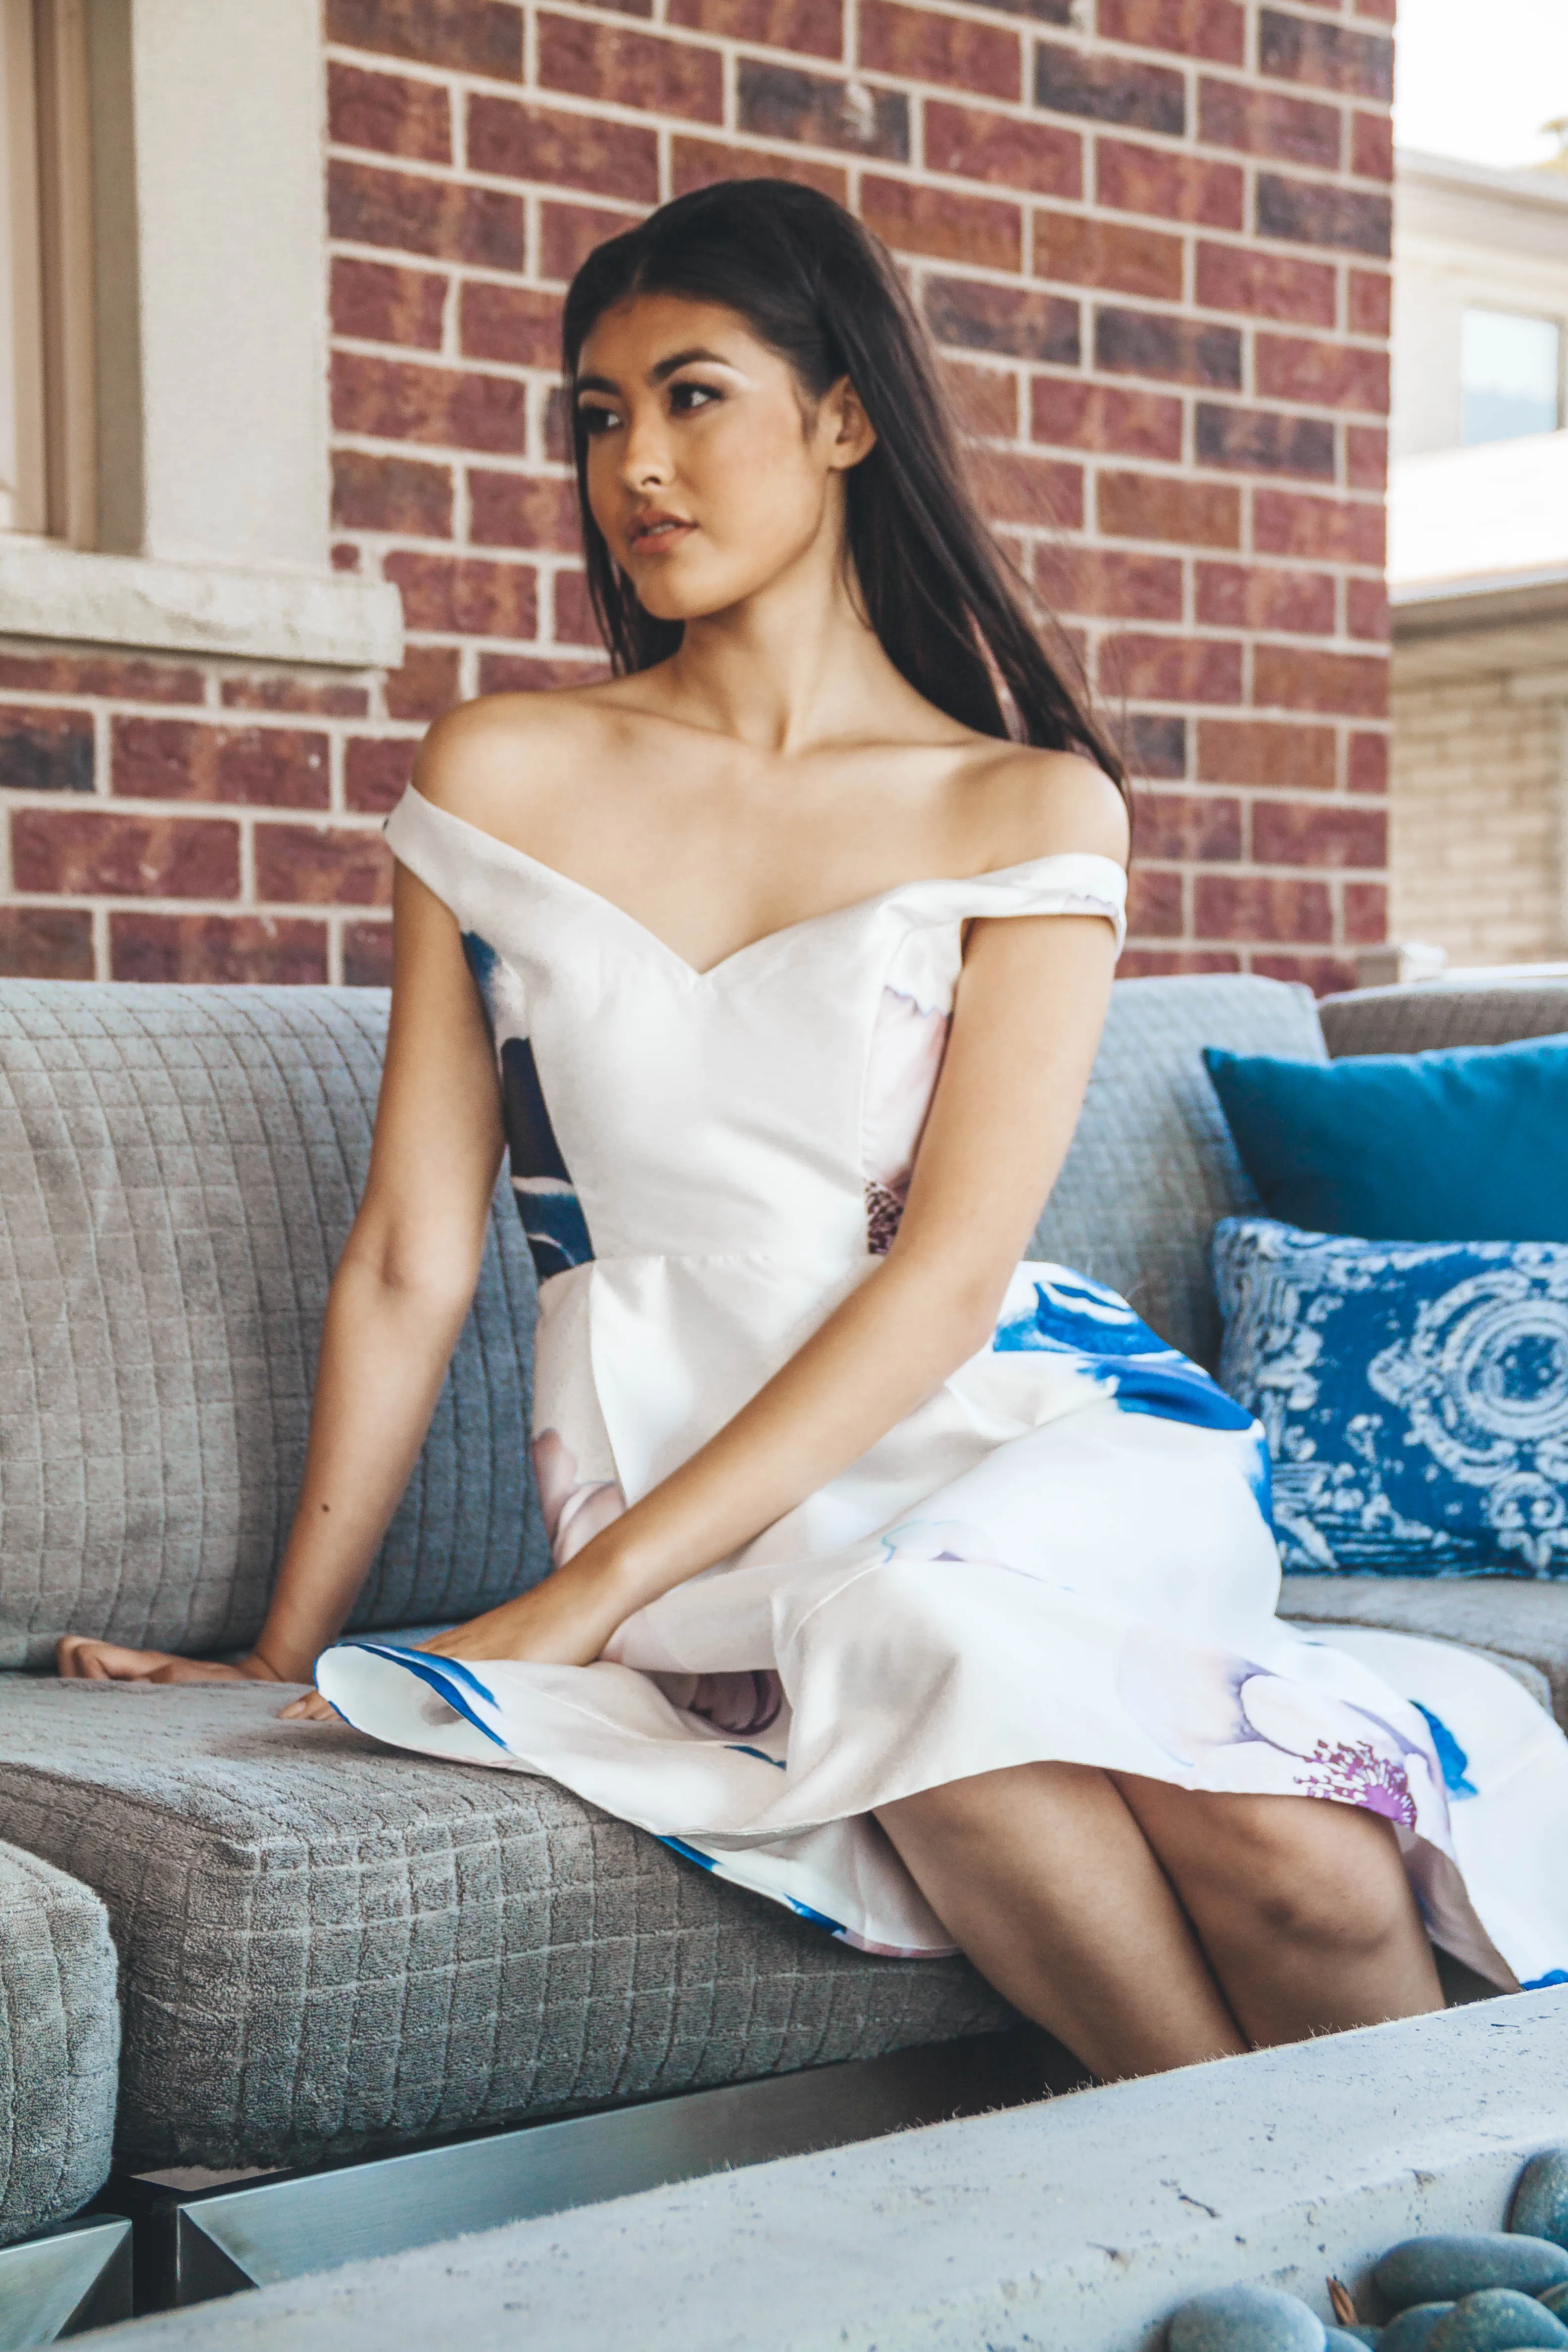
[(1414, 1396)]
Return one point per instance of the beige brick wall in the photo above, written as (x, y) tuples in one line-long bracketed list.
[(1480, 802)]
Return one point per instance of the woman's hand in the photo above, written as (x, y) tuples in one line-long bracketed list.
[(564, 1621), (79, 1658)]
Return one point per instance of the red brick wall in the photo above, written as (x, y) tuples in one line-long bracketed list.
[(1152, 235)]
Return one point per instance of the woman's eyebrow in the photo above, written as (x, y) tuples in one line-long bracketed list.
[(660, 373), (666, 368)]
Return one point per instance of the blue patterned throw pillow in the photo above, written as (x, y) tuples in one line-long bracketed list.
[(1414, 1396)]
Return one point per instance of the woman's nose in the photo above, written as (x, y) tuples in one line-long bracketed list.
[(645, 456)]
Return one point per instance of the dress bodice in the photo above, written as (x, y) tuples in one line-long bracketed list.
[(768, 1106)]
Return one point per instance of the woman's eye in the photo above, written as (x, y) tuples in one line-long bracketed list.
[(685, 399), (598, 420)]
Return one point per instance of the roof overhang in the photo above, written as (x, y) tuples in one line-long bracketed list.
[(1431, 608)]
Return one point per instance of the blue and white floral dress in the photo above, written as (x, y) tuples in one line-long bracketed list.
[(1065, 1553)]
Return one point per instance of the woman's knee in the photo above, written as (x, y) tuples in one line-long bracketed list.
[(1308, 1871)]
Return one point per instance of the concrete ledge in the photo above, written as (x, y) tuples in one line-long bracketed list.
[(324, 618), (1074, 2226)]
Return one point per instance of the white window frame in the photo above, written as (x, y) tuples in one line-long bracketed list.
[(209, 520), (22, 463)]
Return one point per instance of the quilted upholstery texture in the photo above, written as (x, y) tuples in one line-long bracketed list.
[(1522, 1622), (59, 2038), (327, 1945), (178, 1171), (1152, 1166), (1417, 1020)]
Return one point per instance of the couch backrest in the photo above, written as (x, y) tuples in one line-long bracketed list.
[(1152, 1166), (178, 1171), (1425, 1014)]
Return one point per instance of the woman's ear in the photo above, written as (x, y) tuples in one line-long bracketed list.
[(850, 434)]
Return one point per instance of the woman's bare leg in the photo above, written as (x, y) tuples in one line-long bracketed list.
[(1301, 1904), (1043, 1876)]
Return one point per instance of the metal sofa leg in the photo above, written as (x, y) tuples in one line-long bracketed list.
[(65, 2280)]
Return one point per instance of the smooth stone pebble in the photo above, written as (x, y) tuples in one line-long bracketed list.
[(1540, 2201), (1246, 2319), (1411, 2331), (1498, 2320), (1433, 2270), (1349, 2339)]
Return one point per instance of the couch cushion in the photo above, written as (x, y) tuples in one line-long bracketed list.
[(1522, 1624), (178, 1170), (1419, 1019), (59, 2040), (1413, 1395), (1404, 1147), (327, 1945), (1152, 1166)]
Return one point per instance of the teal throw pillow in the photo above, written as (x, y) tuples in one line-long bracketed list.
[(1466, 1145)]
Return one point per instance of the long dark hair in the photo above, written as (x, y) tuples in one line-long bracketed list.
[(816, 287)]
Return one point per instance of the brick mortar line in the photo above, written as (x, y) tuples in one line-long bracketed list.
[(247, 891), (1276, 249), (1228, 633), (917, 89), (1090, 461), (1248, 74), (268, 910), (1190, 235), (1192, 869), (1104, 632), (102, 802), (143, 807), (368, 825), (920, 266), (1170, 387), (196, 714), (460, 272), (379, 445), (1241, 866), (1374, 31), (622, 111)]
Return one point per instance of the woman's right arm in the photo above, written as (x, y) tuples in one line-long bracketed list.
[(398, 1299)]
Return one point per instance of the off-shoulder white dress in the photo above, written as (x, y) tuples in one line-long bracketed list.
[(1065, 1553)]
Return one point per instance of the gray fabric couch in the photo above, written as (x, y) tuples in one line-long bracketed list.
[(325, 1947), (59, 2040)]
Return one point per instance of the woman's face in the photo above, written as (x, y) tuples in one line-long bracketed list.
[(707, 474)]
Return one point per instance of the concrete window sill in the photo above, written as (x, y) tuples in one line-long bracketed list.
[(328, 619)]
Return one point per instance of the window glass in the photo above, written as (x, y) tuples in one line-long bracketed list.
[(1513, 372)]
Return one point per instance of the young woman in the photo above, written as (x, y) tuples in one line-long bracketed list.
[(923, 1590)]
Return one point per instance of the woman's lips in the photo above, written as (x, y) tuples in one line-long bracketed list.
[(661, 532)]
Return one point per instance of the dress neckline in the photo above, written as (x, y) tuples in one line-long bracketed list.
[(551, 874)]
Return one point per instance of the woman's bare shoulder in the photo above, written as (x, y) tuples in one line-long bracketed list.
[(1032, 803), (502, 758)]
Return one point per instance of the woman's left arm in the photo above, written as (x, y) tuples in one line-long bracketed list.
[(1030, 1003)]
